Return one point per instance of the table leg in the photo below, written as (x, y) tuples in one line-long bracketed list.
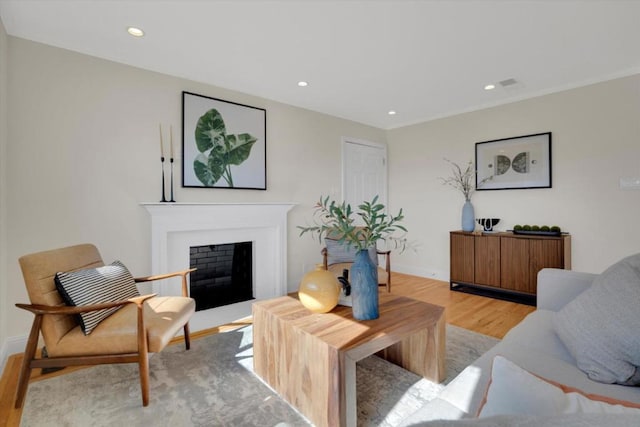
[(348, 404)]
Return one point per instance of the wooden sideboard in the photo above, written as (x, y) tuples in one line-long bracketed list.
[(505, 264)]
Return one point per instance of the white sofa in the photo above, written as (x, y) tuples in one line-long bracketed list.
[(534, 346)]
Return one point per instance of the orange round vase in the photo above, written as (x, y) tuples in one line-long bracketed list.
[(319, 290)]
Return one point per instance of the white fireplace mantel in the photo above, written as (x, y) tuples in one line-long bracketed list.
[(175, 227)]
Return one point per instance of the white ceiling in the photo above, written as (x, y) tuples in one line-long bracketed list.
[(423, 59)]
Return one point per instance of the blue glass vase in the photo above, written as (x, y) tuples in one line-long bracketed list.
[(468, 217), (364, 287)]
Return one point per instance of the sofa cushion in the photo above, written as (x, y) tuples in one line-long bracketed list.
[(463, 395), (109, 283), (466, 390), (568, 420), (163, 318), (513, 390), (339, 252), (538, 334), (600, 326)]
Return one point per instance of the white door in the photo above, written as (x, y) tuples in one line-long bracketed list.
[(364, 171)]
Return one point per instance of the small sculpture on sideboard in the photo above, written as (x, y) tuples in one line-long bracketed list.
[(488, 223)]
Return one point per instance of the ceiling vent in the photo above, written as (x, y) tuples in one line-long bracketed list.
[(511, 86), (508, 82)]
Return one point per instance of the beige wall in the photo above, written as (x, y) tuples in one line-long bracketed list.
[(3, 179), (84, 152), (596, 140), (82, 146)]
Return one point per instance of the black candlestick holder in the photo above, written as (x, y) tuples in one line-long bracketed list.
[(162, 164), (171, 161)]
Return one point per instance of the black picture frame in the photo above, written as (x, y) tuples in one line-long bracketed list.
[(224, 144), (520, 162)]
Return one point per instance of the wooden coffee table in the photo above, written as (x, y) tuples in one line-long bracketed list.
[(310, 359)]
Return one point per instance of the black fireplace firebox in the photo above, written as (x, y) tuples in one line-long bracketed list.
[(224, 274)]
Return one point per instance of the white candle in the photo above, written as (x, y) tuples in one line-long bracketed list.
[(161, 146), (171, 139)]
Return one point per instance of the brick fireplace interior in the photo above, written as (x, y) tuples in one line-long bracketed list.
[(223, 275)]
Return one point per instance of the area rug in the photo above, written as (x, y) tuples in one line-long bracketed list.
[(213, 384)]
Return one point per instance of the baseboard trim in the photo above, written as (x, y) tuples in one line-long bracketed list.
[(421, 272), (12, 345)]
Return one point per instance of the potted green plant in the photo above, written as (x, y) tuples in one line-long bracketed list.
[(338, 220)]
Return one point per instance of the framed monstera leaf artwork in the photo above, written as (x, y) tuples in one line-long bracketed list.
[(223, 144)]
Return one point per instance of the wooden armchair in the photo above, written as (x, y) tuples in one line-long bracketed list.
[(335, 258), (143, 324)]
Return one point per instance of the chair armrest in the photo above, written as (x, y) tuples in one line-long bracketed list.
[(557, 287), (164, 276), (182, 273), (67, 309), (141, 299)]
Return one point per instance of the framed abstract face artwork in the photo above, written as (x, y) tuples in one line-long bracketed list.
[(514, 163)]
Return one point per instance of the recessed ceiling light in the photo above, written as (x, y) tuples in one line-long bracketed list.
[(392, 113), (489, 87), (303, 84), (135, 32)]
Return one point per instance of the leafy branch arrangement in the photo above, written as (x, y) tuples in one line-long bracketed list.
[(463, 181), (223, 150), (336, 220)]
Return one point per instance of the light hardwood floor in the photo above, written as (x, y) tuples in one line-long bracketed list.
[(480, 314)]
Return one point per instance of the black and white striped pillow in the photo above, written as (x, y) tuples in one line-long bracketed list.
[(109, 283)]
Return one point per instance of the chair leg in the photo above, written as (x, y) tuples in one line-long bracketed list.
[(187, 336), (388, 270), (29, 355), (144, 378), (143, 361)]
